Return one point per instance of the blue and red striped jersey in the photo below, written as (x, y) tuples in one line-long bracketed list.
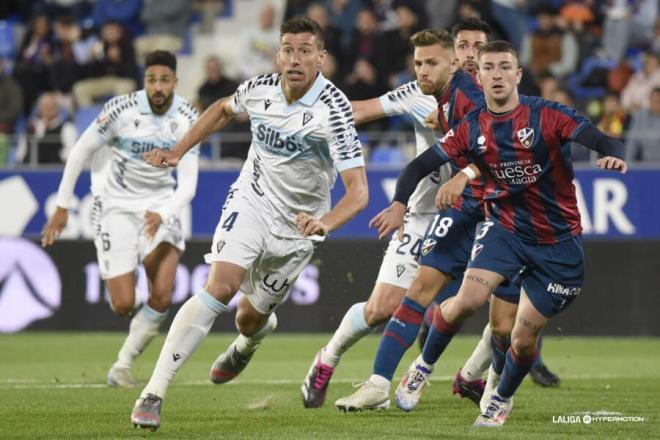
[(463, 95), (525, 159)]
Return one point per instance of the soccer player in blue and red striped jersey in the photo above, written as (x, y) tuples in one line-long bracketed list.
[(521, 147)]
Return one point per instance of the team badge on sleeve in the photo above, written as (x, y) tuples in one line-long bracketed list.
[(526, 136)]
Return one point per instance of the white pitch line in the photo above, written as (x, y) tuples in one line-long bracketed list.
[(15, 383)]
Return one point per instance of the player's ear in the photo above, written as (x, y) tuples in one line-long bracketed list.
[(454, 65), (519, 74), (323, 55)]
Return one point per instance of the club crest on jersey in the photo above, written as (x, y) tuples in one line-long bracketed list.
[(526, 136), (428, 245), (173, 126), (307, 116), (400, 269), (267, 104), (445, 111), (476, 250)]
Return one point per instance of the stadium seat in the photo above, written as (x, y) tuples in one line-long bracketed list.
[(7, 40)]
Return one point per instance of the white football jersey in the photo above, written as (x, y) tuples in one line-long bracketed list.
[(297, 149), (409, 99), (128, 125)]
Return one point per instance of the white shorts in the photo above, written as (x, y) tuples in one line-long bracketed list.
[(243, 237), (120, 240), (399, 264)]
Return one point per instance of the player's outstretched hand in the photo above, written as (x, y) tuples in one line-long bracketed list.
[(431, 121), (450, 191), (308, 225), (389, 219), (612, 163), (54, 226), (161, 158), (152, 222)]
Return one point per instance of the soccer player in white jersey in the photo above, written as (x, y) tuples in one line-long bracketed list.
[(303, 134), (399, 264), (136, 207)]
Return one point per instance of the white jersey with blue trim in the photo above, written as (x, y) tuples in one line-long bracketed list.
[(297, 149), (408, 99), (128, 125)]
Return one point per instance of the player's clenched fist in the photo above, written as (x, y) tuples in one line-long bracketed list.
[(308, 225), (389, 219), (161, 158)]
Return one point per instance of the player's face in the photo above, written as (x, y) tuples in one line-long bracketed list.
[(299, 59), (499, 75), (466, 46), (159, 82), (433, 68)]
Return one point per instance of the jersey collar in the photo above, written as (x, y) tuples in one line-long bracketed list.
[(145, 108), (313, 93)]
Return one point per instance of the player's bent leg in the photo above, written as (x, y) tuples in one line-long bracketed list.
[(540, 373), (191, 324), (468, 382), (519, 360), (253, 327), (160, 266), (502, 318), (121, 289), (358, 322), (399, 334)]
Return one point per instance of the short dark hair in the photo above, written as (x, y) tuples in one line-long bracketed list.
[(472, 24), (302, 24), (429, 37), (499, 46), (161, 58)]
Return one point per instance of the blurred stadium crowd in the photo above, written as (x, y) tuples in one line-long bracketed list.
[(61, 59)]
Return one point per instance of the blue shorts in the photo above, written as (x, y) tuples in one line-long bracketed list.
[(446, 247), (551, 274)]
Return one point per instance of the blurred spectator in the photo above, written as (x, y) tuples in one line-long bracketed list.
[(512, 18), (113, 71), (548, 85), (629, 23), (614, 120), (49, 134), (398, 40), (260, 43), (364, 83), (549, 47), (319, 13), (441, 14), (11, 101), (643, 140), (368, 43), (329, 70), (11, 104), (591, 80), (297, 7), (32, 69), (126, 12), (215, 86), (343, 15), (579, 153), (79, 9), (208, 10), (166, 23), (637, 91)]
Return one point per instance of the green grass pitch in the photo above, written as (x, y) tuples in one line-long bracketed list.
[(52, 386)]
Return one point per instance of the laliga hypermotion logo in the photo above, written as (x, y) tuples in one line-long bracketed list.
[(30, 286)]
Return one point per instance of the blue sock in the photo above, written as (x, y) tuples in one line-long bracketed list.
[(515, 370), (399, 334), (539, 359), (440, 335), (500, 346)]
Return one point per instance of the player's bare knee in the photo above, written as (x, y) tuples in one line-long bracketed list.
[(500, 327), (122, 306), (524, 345), (247, 323), (160, 301), (377, 312), (221, 290)]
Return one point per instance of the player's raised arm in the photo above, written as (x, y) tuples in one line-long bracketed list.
[(219, 114), (88, 143)]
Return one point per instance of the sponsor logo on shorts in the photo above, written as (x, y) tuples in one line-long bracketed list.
[(428, 245), (273, 286), (476, 250), (400, 269), (561, 290)]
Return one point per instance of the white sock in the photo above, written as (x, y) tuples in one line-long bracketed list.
[(480, 359), (353, 327), (379, 381), (144, 326), (189, 328), (248, 344)]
